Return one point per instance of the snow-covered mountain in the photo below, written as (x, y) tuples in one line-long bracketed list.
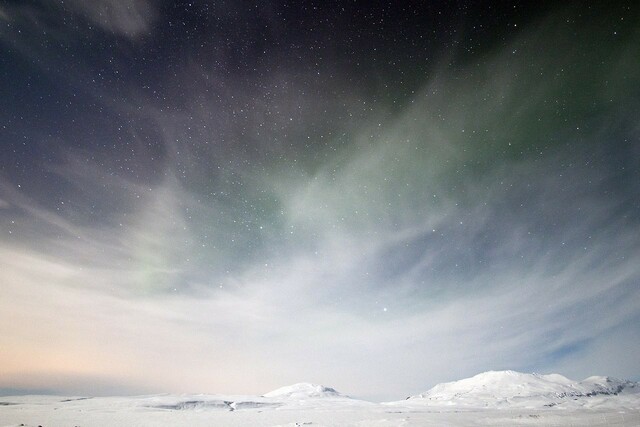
[(507, 388), (302, 394), (303, 391), (596, 385)]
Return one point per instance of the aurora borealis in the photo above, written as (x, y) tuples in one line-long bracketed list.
[(234, 196)]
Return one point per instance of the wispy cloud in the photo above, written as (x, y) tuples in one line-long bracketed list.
[(127, 18)]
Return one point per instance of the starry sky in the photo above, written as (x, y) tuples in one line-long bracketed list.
[(231, 196)]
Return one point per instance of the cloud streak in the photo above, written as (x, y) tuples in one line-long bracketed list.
[(127, 18)]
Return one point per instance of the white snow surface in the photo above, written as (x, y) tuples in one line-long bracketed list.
[(505, 398)]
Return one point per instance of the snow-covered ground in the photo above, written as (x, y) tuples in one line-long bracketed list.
[(504, 398)]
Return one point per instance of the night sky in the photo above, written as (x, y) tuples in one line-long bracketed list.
[(229, 197)]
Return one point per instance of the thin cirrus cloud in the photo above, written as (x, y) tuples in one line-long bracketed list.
[(131, 19)]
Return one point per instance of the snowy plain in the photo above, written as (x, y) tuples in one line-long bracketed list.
[(504, 398)]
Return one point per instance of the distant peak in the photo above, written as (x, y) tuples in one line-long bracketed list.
[(507, 387), (504, 373), (303, 391), (601, 379)]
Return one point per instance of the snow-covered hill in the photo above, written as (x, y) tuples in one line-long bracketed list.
[(302, 394), (593, 386), (508, 388), (303, 391)]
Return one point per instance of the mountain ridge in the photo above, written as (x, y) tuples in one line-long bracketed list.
[(301, 391), (505, 388)]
